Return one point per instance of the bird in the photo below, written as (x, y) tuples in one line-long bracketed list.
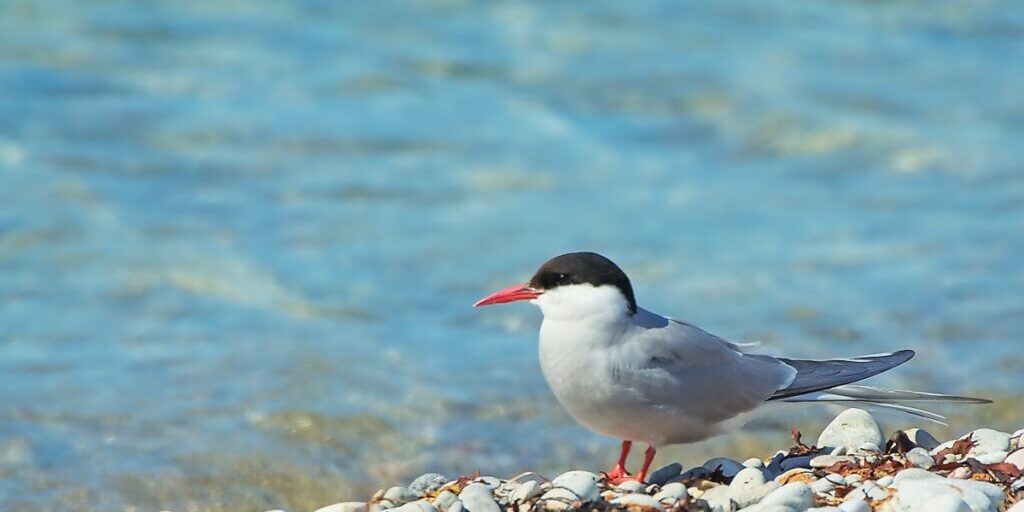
[(631, 374)]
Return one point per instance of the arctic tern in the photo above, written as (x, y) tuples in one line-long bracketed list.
[(631, 374)]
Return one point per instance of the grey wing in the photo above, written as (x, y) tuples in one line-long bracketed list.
[(812, 376), (701, 373)]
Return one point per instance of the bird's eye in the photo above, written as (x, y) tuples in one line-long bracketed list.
[(562, 279)]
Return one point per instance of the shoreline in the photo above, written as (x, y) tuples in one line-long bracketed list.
[(856, 469)]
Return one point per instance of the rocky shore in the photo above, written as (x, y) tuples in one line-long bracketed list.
[(852, 467)]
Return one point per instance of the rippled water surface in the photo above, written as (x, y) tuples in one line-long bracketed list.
[(239, 240)]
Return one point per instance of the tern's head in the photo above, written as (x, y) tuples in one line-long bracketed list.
[(573, 285)]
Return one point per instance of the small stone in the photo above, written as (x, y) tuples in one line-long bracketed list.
[(427, 482), (919, 457), (444, 500), (921, 438), (822, 509), (381, 506), (826, 461), (753, 463), (803, 461), (665, 474), (581, 483), (869, 448), (987, 440), (490, 481), (477, 497), (1016, 458), (416, 506), (671, 492), (748, 487), (1017, 507), (560, 494), (642, 501), (797, 496), (1017, 440), (855, 506), (348, 506), (868, 491), (960, 473), (945, 502), (399, 495), (728, 467), (795, 475), (718, 498), (838, 450), (916, 486), (630, 486), (836, 479), (853, 478), (525, 492), (823, 486), (950, 458), (456, 507), (885, 481), (852, 428), (992, 457)]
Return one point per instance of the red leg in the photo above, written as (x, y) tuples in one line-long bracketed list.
[(619, 474), (648, 458)]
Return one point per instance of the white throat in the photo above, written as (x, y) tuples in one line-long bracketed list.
[(584, 302)]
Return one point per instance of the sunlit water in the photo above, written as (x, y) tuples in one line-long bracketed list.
[(239, 242)]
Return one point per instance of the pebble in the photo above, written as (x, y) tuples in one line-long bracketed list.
[(992, 457), (803, 461), (823, 486), (796, 496), (560, 494), (528, 476), (868, 491), (753, 463), (718, 499), (631, 486), (749, 487), (490, 481), (524, 492), (399, 495), (1018, 507), (671, 492), (921, 438), (869, 448), (415, 506), (885, 481), (851, 429), (427, 482), (581, 483), (444, 500), (920, 457), (477, 497), (960, 473), (456, 507), (638, 500), (987, 441), (348, 506), (855, 506), (665, 474), (944, 503), (728, 467), (1016, 458), (838, 450), (915, 486), (825, 461), (1017, 440)]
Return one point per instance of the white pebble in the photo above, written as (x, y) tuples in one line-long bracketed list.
[(797, 496), (1016, 458), (581, 483), (992, 457), (524, 492), (919, 457), (753, 463), (852, 428), (444, 499), (638, 500), (348, 506)]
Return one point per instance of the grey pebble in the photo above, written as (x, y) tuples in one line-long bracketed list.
[(852, 429), (456, 507), (630, 486), (803, 461), (489, 481), (477, 497), (753, 463), (920, 457), (992, 457), (797, 496), (671, 492), (718, 498), (885, 481), (665, 474), (823, 486), (921, 438), (1016, 458), (581, 483), (691, 474), (399, 495), (444, 500), (638, 500), (855, 506), (348, 506), (427, 482), (728, 467), (415, 506), (824, 461), (526, 491)]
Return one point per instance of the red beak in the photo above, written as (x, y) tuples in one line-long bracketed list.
[(510, 294)]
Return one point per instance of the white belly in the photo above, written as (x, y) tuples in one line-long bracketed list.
[(581, 371)]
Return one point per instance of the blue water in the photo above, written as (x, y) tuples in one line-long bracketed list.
[(239, 241)]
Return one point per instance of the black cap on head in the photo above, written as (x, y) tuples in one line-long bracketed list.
[(583, 268)]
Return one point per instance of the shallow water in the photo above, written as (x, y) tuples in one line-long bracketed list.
[(240, 241)]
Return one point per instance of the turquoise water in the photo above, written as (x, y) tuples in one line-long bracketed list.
[(239, 241)]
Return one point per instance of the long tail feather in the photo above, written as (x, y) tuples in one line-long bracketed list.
[(836, 398), (897, 395)]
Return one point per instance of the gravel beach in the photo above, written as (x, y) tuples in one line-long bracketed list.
[(851, 467)]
